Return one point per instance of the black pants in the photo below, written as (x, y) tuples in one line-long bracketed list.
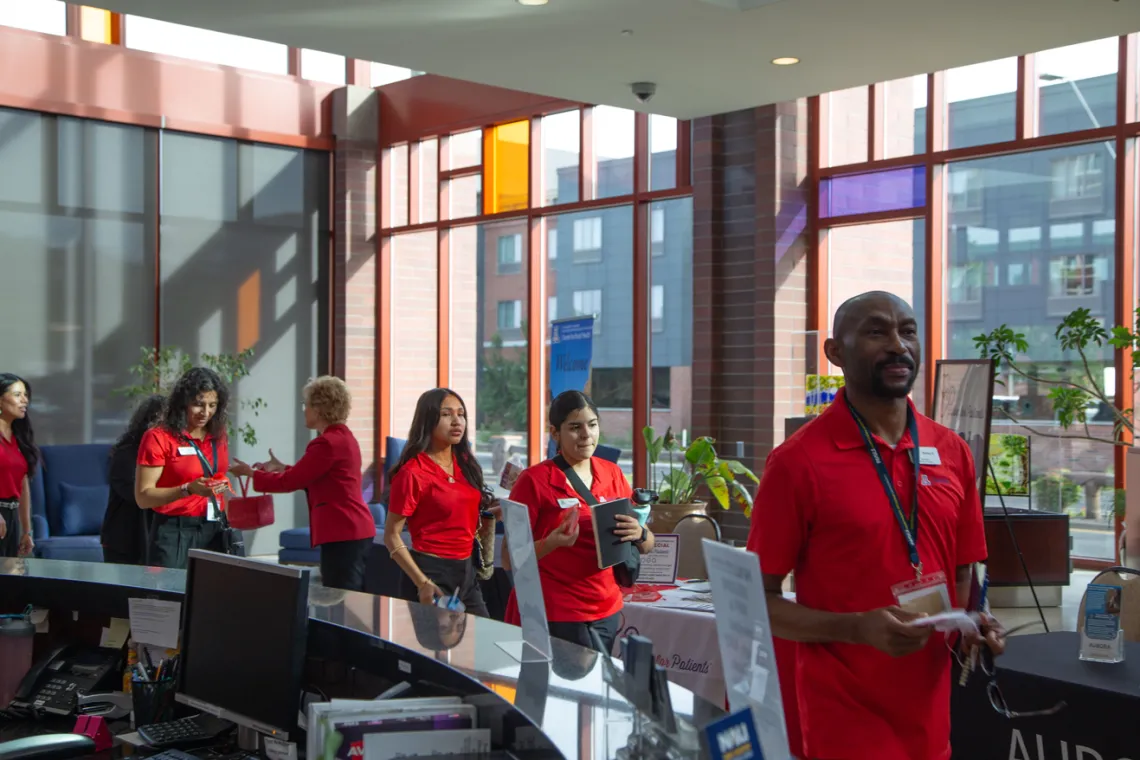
[(113, 556), (597, 634), (449, 575), (172, 538), (342, 563), (10, 544)]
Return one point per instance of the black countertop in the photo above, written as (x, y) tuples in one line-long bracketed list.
[(567, 699)]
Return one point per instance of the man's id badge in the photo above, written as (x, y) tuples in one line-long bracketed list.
[(927, 595)]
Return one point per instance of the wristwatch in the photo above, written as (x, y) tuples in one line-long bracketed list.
[(644, 535), (185, 489)]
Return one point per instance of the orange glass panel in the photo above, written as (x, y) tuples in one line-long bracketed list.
[(97, 25), (249, 312), (506, 170)]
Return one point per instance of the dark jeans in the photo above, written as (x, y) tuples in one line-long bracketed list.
[(449, 575), (597, 634), (10, 544), (172, 538), (342, 563)]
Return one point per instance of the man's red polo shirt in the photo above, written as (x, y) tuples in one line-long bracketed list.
[(442, 513), (821, 512)]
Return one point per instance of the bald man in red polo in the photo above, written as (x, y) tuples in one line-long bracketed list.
[(875, 509)]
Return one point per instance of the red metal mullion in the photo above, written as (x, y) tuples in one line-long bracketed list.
[(466, 171), (157, 236), (876, 113), (443, 301), (1125, 269), (383, 306), (586, 163), (1027, 98), (293, 62), (414, 196), (819, 284), (443, 185), (935, 236), (873, 217), (536, 302), (642, 358)]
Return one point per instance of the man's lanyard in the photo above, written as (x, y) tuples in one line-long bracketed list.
[(909, 527), (207, 470)]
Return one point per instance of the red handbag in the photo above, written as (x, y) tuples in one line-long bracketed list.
[(247, 512)]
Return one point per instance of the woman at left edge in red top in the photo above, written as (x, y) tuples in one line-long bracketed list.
[(437, 491), (181, 469), (19, 457)]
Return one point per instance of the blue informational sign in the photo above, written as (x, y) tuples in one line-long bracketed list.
[(571, 350), (733, 737)]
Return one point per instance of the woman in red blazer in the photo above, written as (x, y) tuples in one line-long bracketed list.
[(330, 473)]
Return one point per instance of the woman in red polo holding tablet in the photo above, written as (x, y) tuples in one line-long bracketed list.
[(437, 491), (583, 603), (181, 469)]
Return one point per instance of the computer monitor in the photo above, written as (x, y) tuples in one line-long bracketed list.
[(244, 629)]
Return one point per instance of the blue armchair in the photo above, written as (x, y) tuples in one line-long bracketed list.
[(296, 546), (69, 497)]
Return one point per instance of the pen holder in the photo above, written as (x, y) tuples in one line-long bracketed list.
[(152, 701)]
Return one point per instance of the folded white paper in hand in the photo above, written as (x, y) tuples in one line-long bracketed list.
[(946, 622)]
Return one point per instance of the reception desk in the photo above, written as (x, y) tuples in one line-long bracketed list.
[(359, 644)]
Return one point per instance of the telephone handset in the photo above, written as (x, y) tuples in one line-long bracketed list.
[(54, 683)]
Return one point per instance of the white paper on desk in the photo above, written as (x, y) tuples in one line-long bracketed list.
[(389, 746), (115, 635), (745, 639), (660, 565), (275, 749), (684, 604), (154, 621)]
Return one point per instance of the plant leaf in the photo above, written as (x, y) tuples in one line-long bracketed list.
[(719, 489)]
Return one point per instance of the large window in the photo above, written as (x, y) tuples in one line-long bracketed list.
[(488, 338), (77, 229), (47, 16), (1052, 267), (243, 263), (884, 256), (602, 287), (671, 319)]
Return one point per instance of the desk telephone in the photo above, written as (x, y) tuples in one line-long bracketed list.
[(54, 683)]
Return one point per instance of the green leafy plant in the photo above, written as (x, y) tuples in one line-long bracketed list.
[(1118, 503), (158, 371), (695, 466), (1070, 393)]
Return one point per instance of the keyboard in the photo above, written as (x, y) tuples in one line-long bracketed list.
[(184, 732)]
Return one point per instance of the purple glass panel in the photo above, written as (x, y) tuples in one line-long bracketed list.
[(889, 190)]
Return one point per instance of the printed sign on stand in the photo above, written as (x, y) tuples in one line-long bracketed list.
[(659, 567), (535, 644), (745, 638), (1102, 639)]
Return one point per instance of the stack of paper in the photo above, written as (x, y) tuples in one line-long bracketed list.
[(395, 728)]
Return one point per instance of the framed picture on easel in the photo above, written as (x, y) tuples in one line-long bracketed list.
[(963, 402)]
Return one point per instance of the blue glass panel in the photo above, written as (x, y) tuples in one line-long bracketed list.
[(873, 192)]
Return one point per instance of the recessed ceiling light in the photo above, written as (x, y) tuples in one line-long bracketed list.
[(785, 61), (533, 2)]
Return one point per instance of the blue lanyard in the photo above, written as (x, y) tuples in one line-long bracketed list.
[(909, 527)]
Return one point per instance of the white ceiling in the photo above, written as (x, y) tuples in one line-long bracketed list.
[(706, 56)]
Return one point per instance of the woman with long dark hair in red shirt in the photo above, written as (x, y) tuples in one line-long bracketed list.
[(437, 491), (19, 457)]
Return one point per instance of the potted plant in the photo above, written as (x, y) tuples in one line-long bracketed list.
[(157, 371), (690, 469)]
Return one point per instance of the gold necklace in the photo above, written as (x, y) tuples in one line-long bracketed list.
[(448, 468)]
